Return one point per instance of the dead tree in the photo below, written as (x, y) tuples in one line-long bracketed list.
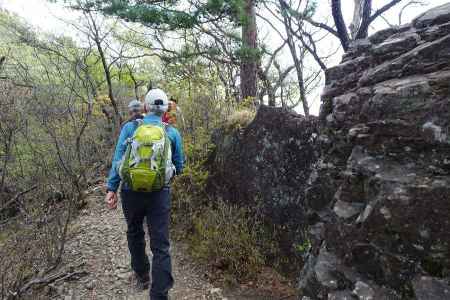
[(98, 37), (363, 17), (301, 43)]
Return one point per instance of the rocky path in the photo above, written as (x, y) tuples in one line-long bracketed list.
[(98, 246)]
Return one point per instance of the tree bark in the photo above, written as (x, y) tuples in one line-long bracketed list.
[(135, 82), (356, 20), (363, 30), (249, 61), (368, 17), (108, 77), (336, 11), (298, 63), (267, 89)]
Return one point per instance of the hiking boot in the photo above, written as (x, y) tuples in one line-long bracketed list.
[(142, 281)]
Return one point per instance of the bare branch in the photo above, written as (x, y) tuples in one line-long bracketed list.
[(17, 197), (49, 279), (383, 9), (2, 61), (313, 22), (410, 3)]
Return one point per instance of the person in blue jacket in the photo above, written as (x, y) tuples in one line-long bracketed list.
[(155, 206)]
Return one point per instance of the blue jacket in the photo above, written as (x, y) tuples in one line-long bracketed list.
[(127, 132)]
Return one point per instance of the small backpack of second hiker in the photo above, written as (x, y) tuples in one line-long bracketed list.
[(147, 163)]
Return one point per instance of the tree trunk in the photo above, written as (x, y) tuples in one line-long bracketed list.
[(97, 40), (249, 45), (363, 30), (357, 16), (267, 88), (298, 63), (362, 18), (117, 116), (300, 78), (336, 10)]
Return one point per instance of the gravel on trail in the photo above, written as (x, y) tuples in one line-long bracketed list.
[(97, 252), (98, 246)]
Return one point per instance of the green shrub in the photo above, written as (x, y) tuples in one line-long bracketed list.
[(222, 235), (188, 195), (218, 233), (239, 119)]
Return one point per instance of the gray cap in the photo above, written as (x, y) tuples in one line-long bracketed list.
[(134, 104)]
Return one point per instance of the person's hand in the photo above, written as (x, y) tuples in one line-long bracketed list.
[(111, 200)]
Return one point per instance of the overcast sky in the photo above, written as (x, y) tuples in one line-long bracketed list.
[(45, 15)]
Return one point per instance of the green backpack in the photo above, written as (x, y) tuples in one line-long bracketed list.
[(147, 163)]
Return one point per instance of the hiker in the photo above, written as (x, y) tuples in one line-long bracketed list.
[(135, 110), (148, 154), (173, 113), (170, 116)]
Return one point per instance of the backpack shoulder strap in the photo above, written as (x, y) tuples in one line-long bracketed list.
[(165, 126), (167, 142), (138, 122)]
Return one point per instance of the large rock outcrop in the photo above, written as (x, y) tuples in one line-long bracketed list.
[(385, 232), (368, 187), (263, 167)]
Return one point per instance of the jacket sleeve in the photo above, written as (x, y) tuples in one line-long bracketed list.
[(114, 178), (177, 150)]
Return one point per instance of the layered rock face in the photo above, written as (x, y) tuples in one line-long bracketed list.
[(368, 187), (385, 231)]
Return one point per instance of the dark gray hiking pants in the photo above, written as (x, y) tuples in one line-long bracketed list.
[(155, 207)]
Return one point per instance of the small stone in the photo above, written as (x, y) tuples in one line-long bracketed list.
[(125, 275)]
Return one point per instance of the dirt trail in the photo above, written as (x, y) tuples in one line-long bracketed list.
[(98, 246)]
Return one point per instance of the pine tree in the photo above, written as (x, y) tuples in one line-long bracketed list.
[(169, 16)]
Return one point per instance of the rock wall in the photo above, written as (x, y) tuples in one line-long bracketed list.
[(385, 120), (367, 186)]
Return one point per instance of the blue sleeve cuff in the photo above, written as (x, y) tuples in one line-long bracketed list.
[(110, 188)]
